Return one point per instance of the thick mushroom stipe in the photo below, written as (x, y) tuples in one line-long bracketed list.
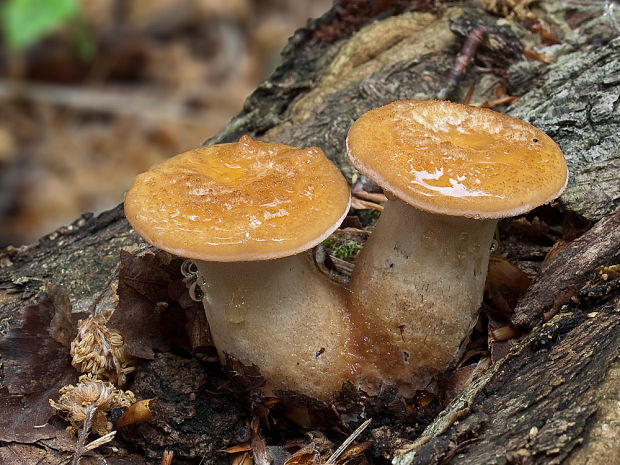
[(283, 317), (416, 296)]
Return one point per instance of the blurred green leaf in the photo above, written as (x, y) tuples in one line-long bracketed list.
[(26, 21)]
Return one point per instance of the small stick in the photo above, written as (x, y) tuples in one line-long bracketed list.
[(470, 92), (347, 442), (473, 40), (361, 204), (100, 441), (372, 196), (84, 432)]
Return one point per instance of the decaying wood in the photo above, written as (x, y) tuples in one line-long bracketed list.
[(569, 269), (541, 403), (80, 258), (512, 418)]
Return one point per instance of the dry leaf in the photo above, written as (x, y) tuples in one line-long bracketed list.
[(504, 285), (16, 453), (557, 247), (140, 411), (353, 452), (244, 458), (308, 455), (461, 378), (236, 449), (308, 412), (260, 454), (197, 328), (500, 339), (376, 197), (150, 315), (35, 367)]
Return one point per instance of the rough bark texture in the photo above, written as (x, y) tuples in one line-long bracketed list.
[(552, 396), (586, 127), (80, 258), (569, 270), (513, 419)]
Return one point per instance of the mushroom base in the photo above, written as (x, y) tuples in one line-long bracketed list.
[(415, 294), (283, 316)]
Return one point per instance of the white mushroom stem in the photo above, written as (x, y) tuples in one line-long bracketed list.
[(415, 293), (283, 316)]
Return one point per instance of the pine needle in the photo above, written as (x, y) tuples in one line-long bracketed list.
[(348, 442)]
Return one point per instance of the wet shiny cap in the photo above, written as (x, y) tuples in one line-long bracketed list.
[(242, 201), (457, 160)]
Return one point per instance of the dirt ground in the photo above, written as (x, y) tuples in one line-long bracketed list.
[(162, 76)]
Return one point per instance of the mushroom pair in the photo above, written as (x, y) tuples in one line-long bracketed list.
[(246, 211)]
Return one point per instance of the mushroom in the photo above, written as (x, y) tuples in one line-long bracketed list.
[(245, 212), (450, 172)]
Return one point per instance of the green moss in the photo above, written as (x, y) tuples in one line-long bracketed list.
[(347, 250), (341, 247)]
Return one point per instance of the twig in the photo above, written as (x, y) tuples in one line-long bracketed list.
[(473, 40), (361, 204), (372, 196), (116, 102), (84, 432), (348, 441), (99, 441), (509, 99), (470, 92)]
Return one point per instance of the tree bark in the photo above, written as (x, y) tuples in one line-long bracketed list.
[(552, 398)]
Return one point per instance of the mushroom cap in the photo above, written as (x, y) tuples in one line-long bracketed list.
[(241, 201), (456, 159)]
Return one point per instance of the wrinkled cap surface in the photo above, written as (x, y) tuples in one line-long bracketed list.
[(458, 160), (242, 201)]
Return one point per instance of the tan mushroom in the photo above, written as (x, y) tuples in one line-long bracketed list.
[(246, 212), (450, 171)]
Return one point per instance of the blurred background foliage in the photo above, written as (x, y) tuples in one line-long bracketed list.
[(26, 21), (94, 91)]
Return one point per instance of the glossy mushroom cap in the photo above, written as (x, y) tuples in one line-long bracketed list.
[(457, 160), (242, 201)]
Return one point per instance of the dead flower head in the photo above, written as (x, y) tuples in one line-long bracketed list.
[(100, 351), (88, 396)]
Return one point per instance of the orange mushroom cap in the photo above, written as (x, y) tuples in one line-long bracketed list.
[(242, 201), (457, 160)]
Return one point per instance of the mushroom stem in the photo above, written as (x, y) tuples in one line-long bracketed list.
[(415, 293), (282, 315)]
